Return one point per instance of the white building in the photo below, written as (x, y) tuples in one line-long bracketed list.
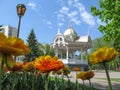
[(8, 31), (66, 45), (11, 31)]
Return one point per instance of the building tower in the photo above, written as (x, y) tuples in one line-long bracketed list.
[(8, 30)]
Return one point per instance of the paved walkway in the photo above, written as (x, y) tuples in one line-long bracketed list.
[(98, 83)]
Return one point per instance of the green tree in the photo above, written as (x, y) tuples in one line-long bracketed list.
[(33, 45), (109, 13), (0, 27), (45, 49), (98, 43)]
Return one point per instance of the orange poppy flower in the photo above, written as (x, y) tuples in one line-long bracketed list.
[(28, 66), (76, 69), (47, 64), (85, 75)]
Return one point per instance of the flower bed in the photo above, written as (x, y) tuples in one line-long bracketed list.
[(34, 75), (32, 81)]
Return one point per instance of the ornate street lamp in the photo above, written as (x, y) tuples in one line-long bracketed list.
[(20, 12)]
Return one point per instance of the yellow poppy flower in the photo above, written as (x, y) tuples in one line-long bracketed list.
[(66, 70), (28, 66), (103, 54), (111, 54), (80, 75), (3, 38), (12, 46)]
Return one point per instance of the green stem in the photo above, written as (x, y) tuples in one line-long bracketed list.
[(108, 77), (33, 80), (46, 82), (83, 85), (90, 84), (56, 82), (62, 82), (76, 81), (68, 80), (4, 57), (83, 82)]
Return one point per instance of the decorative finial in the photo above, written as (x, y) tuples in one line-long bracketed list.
[(88, 33), (58, 31), (69, 25)]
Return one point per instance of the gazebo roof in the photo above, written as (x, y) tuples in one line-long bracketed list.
[(70, 34), (71, 40), (70, 31), (83, 39)]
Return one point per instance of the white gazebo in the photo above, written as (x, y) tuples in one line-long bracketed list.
[(66, 45)]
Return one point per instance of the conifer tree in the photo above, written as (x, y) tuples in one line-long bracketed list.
[(33, 45)]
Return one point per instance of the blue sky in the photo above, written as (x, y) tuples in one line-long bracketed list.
[(46, 16)]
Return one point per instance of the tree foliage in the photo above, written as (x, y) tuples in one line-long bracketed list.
[(33, 45), (0, 27), (98, 43), (109, 13), (45, 49)]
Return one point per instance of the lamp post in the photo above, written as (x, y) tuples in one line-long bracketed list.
[(20, 12)]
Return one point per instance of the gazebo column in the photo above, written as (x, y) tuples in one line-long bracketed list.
[(67, 52), (56, 52), (86, 56), (60, 52), (82, 61), (81, 55)]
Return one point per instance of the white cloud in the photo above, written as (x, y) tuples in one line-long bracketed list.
[(79, 6), (99, 22), (73, 17), (61, 2), (87, 18), (74, 11), (60, 16), (70, 2), (76, 21), (48, 22), (32, 5), (67, 13), (64, 10), (60, 24), (76, 0), (72, 14)]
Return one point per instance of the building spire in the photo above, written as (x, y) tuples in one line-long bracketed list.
[(88, 33), (70, 25), (58, 31)]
